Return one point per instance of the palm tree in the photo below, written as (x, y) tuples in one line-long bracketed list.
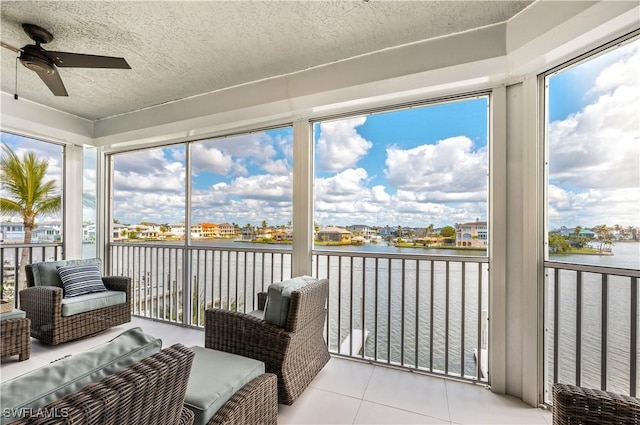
[(28, 194)]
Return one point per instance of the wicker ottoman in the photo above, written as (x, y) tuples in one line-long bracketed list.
[(228, 389), (15, 336)]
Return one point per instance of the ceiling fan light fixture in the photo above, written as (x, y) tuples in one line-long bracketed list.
[(37, 62)]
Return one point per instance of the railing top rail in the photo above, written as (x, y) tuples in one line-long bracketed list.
[(11, 245), (400, 256), (200, 247), (592, 269)]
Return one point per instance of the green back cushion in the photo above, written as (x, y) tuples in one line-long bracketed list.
[(279, 297), (44, 385), (46, 273)]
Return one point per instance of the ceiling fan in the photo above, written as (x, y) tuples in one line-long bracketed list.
[(45, 62)]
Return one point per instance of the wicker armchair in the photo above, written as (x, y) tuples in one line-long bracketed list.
[(295, 353), (43, 306), (582, 406)]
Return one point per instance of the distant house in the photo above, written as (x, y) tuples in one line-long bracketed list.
[(564, 231), (13, 231), (226, 230), (363, 230), (205, 230), (334, 234), (473, 234)]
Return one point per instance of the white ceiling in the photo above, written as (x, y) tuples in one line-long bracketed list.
[(179, 49)]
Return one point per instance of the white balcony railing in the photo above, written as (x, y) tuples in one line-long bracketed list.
[(591, 327), (10, 257), (413, 311)]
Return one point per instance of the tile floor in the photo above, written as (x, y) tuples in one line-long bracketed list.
[(344, 392)]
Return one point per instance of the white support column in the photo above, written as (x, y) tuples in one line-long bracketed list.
[(302, 198), (532, 246), (497, 240), (72, 202)]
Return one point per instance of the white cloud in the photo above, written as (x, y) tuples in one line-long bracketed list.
[(450, 170), (593, 207), (340, 146), (207, 157)]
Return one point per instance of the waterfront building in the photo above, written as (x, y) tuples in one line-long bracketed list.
[(472, 234), (366, 232), (334, 234)]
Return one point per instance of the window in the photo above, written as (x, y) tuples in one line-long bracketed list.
[(593, 139), (593, 210), (43, 161), (412, 177), (148, 193), (47, 225), (242, 189)]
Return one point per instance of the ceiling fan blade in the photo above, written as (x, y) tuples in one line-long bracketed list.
[(10, 47), (54, 82), (79, 60)]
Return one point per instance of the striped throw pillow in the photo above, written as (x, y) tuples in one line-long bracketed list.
[(80, 280)]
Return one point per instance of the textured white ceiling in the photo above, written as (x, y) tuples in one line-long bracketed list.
[(179, 49)]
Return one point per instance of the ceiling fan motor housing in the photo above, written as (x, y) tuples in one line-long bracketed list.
[(33, 59)]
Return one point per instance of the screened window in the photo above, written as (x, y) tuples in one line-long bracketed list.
[(241, 189), (412, 179), (149, 194), (593, 139), (44, 209)]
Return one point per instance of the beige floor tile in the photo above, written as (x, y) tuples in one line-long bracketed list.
[(373, 413), (319, 407), (413, 392), (344, 376)]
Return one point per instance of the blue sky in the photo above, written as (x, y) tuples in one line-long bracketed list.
[(411, 167)]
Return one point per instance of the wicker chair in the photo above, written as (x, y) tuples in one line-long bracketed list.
[(43, 305), (295, 353), (582, 406), (149, 392)]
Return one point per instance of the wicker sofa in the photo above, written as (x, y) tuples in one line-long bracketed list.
[(43, 301), (127, 380), (294, 350), (574, 405)]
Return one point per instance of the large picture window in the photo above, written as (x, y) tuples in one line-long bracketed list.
[(593, 137), (411, 179), (31, 216), (148, 193), (241, 189), (593, 214)]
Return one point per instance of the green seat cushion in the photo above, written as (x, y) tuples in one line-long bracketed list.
[(13, 314), (46, 272), (279, 297), (44, 385), (215, 377), (93, 301), (257, 313)]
